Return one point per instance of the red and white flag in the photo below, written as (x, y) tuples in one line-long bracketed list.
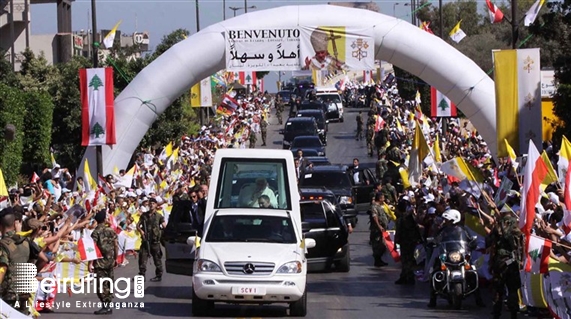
[(35, 178), (97, 107), (88, 250), (495, 13), (538, 251), (535, 171), (367, 76), (440, 105), (391, 246)]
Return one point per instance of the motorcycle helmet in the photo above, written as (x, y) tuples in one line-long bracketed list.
[(452, 215)]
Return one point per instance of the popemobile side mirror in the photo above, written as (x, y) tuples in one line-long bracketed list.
[(191, 240), (309, 243)]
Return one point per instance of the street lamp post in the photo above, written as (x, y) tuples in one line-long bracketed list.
[(223, 9), (245, 6), (240, 8), (397, 3)]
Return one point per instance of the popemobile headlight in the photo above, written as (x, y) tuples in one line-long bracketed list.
[(204, 265), (293, 267), (345, 200), (455, 256)]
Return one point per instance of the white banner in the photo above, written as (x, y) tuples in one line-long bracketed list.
[(337, 48), (529, 97), (205, 93), (262, 50)]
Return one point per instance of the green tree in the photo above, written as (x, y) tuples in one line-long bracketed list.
[(12, 111), (554, 27), (37, 130), (66, 130), (7, 76)]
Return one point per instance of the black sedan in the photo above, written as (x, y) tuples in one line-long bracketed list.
[(306, 142), (323, 221)]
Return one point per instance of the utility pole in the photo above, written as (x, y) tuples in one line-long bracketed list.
[(441, 20), (514, 24), (12, 36), (98, 148), (223, 9), (201, 112), (245, 6), (94, 38)]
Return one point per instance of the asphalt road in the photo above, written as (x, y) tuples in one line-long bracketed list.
[(364, 292)]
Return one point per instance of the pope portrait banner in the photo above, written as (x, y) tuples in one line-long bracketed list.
[(337, 48)]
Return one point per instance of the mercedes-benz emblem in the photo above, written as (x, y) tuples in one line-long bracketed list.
[(249, 268)]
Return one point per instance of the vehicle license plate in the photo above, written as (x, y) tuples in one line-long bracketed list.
[(257, 291)]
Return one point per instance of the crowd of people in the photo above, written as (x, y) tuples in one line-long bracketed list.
[(46, 219)]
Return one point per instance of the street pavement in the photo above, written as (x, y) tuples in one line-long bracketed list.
[(364, 292)]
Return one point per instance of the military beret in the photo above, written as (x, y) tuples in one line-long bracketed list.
[(100, 216)]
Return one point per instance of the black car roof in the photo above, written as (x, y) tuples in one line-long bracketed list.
[(316, 158), (301, 119), (310, 111), (330, 168), (316, 190)]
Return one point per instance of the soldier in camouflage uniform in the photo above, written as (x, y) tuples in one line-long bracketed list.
[(378, 224), (370, 134), (506, 246), (359, 119), (150, 225), (382, 166), (252, 138), (206, 171), (279, 110), (13, 249), (264, 129), (407, 235), (389, 191), (106, 239)]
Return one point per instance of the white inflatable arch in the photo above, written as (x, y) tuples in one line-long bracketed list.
[(202, 54)]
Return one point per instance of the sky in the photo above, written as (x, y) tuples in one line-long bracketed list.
[(161, 17)]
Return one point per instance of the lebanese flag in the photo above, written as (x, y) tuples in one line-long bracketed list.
[(87, 249), (35, 178), (496, 14), (391, 246), (538, 251), (440, 105), (249, 77), (535, 171), (260, 85), (97, 107), (121, 243), (367, 76)]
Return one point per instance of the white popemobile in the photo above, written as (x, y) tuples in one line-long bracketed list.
[(253, 250)]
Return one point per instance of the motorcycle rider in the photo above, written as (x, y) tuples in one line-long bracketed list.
[(451, 228)]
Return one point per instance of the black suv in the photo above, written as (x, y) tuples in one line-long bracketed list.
[(298, 126), (322, 123), (336, 179), (323, 221), (329, 109)]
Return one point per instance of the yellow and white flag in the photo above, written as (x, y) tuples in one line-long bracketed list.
[(532, 13), (518, 99), (110, 37), (564, 159), (456, 34)]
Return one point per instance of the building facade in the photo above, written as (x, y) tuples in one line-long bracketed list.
[(15, 36)]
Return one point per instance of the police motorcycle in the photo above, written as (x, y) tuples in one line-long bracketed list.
[(453, 277)]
